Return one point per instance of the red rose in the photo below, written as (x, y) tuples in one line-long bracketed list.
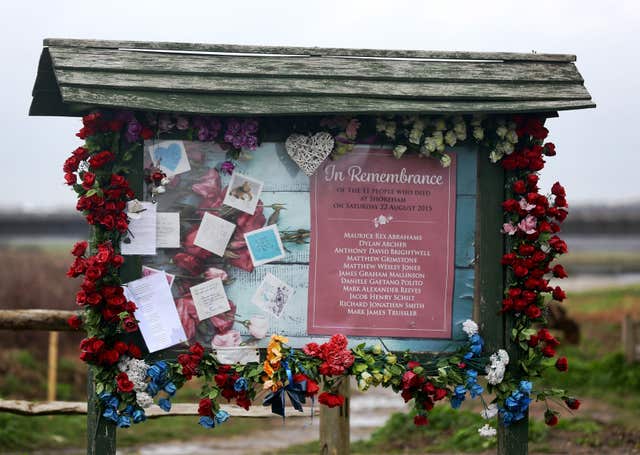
[(562, 364), (561, 201), (526, 250), (572, 403), (108, 357), (205, 407), (79, 248), (420, 420), (545, 335), (558, 245), (88, 179), (100, 159), (440, 394), (70, 179), (514, 292), (550, 418), (519, 187), (508, 259), (511, 205), (130, 324), (93, 273), (559, 271), (312, 349), (75, 322), (146, 133), (117, 260), (331, 399), (520, 271), (243, 401), (118, 181), (71, 164), (533, 312), (558, 294), (124, 384), (558, 190), (549, 149), (413, 364), (134, 351), (80, 153), (548, 351), (197, 350), (533, 341), (121, 347)]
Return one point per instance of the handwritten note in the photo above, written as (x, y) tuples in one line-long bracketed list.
[(146, 271), (264, 245), (240, 354), (168, 230), (214, 234), (209, 298), (142, 232), (159, 321)]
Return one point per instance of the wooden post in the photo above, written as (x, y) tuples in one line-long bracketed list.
[(101, 434), (490, 285), (628, 339), (334, 425), (52, 373)]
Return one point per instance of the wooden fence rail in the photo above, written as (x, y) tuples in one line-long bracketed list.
[(49, 320)]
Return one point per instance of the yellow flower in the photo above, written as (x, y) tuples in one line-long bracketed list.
[(279, 339)]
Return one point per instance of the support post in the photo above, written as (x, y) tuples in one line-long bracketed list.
[(334, 425), (101, 434), (52, 371)]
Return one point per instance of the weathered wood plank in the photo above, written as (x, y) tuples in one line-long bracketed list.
[(258, 85), (35, 319), (334, 425), (155, 62), (36, 408), (294, 50), (189, 103)]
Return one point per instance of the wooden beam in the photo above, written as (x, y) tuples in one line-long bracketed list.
[(330, 67), (36, 319), (191, 103), (310, 51), (323, 86), (334, 425)]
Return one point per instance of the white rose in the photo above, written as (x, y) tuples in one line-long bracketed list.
[(429, 145), (478, 133), (504, 356), (487, 431), (470, 327), (440, 125), (445, 160), (490, 412), (399, 150), (450, 138), (438, 136), (501, 131), (495, 156), (512, 137)]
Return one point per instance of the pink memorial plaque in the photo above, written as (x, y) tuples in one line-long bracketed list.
[(382, 246)]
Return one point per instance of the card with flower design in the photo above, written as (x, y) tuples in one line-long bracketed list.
[(214, 234), (272, 295), (243, 193), (264, 245)]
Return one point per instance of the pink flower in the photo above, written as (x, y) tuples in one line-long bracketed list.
[(258, 326), (243, 261), (188, 315), (226, 340), (191, 249), (224, 321), (213, 273), (508, 228), (524, 205), (209, 185), (352, 128), (248, 223), (528, 224)]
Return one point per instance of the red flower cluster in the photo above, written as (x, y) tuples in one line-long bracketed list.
[(545, 341), (205, 407), (124, 383), (96, 351), (191, 361), (334, 353), (225, 379), (416, 386), (107, 210), (331, 399), (312, 386)]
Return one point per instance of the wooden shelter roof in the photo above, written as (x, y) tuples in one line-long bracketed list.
[(75, 76)]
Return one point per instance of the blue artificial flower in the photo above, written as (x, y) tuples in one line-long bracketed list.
[(170, 388), (128, 410), (139, 416), (476, 390), (221, 416), (207, 422), (155, 372), (124, 421), (104, 396), (472, 377), (111, 413), (240, 384), (152, 389), (458, 397), (526, 386), (516, 404), (164, 404)]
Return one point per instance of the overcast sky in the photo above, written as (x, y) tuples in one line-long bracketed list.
[(598, 157)]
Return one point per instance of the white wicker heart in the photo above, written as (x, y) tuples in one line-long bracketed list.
[(308, 152)]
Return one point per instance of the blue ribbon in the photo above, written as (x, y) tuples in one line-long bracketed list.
[(296, 392)]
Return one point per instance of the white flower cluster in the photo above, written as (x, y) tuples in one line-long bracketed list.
[(490, 412), (508, 139), (487, 431), (388, 127), (495, 370), (137, 372), (470, 327)]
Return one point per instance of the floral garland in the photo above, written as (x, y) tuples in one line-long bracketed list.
[(126, 384)]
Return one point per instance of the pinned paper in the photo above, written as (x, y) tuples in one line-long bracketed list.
[(272, 295), (214, 234), (168, 230), (239, 354), (142, 232), (170, 157), (264, 245), (209, 298), (243, 193), (156, 312), (146, 271)]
